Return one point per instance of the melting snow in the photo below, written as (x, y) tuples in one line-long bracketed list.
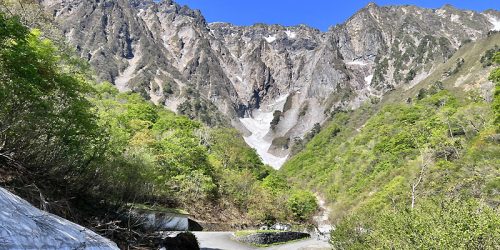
[(368, 79), (454, 18), (291, 34), (23, 226), (496, 23), (259, 125), (270, 39)]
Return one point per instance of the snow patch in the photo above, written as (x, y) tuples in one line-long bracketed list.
[(454, 18), (270, 39), (495, 21), (23, 226), (357, 62), (368, 79), (291, 34), (139, 14), (259, 124)]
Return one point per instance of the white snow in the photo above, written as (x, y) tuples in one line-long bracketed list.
[(239, 78), (357, 62), (140, 12), (368, 79), (495, 21), (291, 34), (259, 125), (23, 226), (454, 18), (270, 39)]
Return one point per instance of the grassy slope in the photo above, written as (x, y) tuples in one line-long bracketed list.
[(344, 164)]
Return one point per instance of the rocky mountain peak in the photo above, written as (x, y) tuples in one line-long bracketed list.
[(371, 5)]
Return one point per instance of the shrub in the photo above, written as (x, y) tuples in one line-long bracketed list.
[(302, 204)]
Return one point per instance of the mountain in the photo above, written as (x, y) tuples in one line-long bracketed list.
[(272, 83), (411, 168), (391, 121)]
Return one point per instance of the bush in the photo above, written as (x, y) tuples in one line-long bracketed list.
[(302, 204), (443, 224)]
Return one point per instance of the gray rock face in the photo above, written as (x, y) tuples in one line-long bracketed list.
[(23, 226), (226, 74)]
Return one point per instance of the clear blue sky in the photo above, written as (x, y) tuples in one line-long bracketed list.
[(316, 13)]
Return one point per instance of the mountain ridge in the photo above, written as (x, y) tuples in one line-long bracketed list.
[(222, 74)]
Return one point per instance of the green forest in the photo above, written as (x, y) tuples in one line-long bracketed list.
[(74, 137)]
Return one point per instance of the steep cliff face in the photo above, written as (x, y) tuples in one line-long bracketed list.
[(273, 83)]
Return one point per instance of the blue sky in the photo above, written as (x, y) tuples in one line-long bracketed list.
[(316, 13)]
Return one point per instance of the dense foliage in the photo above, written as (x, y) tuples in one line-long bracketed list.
[(46, 121), (73, 137), (421, 174), (437, 223)]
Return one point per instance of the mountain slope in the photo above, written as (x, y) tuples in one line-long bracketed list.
[(423, 147), (221, 73)]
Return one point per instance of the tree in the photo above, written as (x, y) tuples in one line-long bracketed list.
[(46, 121)]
